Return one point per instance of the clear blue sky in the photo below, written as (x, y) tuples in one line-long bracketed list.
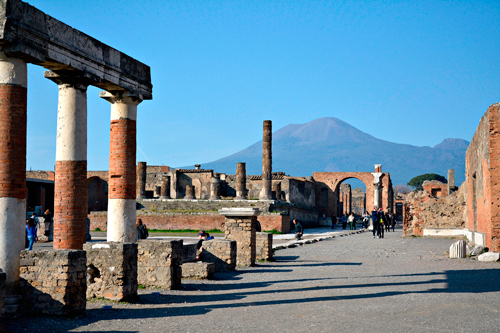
[(412, 72)]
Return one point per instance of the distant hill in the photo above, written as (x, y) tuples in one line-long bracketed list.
[(330, 144)]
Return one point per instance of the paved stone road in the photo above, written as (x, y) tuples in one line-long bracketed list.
[(346, 284)]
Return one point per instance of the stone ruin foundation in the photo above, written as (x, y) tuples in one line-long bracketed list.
[(159, 263), (53, 281), (198, 270), (222, 253), (112, 271), (240, 226), (264, 246)]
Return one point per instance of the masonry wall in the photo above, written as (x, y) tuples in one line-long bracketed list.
[(435, 188), (300, 192), (159, 263), (482, 164), (192, 221)]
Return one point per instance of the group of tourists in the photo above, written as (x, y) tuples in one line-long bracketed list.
[(382, 221), (32, 226)]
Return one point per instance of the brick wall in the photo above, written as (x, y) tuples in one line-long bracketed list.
[(482, 176), (192, 221), (122, 169), (435, 188)]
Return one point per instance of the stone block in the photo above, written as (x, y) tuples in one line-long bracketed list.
[(188, 252), (47, 292), (489, 256), (198, 270), (477, 250), (159, 263), (112, 271), (222, 253), (264, 246), (458, 250)]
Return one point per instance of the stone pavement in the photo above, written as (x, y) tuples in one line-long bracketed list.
[(345, 284)]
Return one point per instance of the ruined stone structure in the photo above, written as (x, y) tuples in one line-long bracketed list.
[(482, 177), (451, 181), (112, 271), (165, 187), (74, 61), (222, 253), (267, 161), (159, 263), (189, 192), (264, 246), (240, 226), (328, 189), (435, 188)]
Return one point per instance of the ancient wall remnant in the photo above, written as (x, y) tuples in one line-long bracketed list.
[(159, 263), (53, 281), (112, 270), (264, 246), (222, 253), (240, 226), (435, 188), (425, 211), (482, 177)]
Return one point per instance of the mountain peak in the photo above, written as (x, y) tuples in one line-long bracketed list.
[(453, 144)]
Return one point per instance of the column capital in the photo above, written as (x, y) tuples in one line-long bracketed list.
[(74, 79), (120, 97)]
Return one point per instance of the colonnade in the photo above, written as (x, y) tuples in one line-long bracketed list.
[(70, 197)]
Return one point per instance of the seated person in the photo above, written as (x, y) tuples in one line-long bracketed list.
[(203, 236)]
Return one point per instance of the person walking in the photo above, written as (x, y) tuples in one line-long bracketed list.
[(366, 219), (299, 230), (393, 221), (375, 222), (381, 222), (352, 222), (31, 232), (343, 218), (334, 221)]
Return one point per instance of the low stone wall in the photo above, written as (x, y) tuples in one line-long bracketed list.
[(159, 263), (264, 246), (3, 276), (198, 270), (112, 270), (242, 230), (53, 281), (220, 252), (188, 252), (192, 221)]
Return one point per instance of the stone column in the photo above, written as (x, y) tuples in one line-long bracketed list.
[(122, 170), (377, 186), (13, 96), (189, 192), (141, 180), (451, 181), (376, 194), (267, 161), (240, 227), (215, 187), (241, 181), (165, 187), (70, 197)]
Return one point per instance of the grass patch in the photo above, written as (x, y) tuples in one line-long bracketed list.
[(140, 286), (187, 211), (97, 229), (274, 232)]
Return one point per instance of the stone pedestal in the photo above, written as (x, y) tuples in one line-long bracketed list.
[(53, 282), (112, 271), (159, 263), (222, 253), (189, 192), (165, 187), (240, 227), (241, 181), (264, 246)]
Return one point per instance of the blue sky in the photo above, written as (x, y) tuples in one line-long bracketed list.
[(412, 72)]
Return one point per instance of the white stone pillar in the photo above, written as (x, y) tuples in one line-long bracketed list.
[(13, 96), (122, 169), (70, 195)]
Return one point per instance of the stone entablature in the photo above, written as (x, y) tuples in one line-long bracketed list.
[(53, 282), (38, 38), (159, 263)]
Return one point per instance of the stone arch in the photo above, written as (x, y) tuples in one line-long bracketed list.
[(97, 194), (327, 184)]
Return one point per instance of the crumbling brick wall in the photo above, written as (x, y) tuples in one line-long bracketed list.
[(423, 210), (482, 176), (435, 188)]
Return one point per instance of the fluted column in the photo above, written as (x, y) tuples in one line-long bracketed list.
[(13, 96), (267, 160), (122, 170), (70, 197)]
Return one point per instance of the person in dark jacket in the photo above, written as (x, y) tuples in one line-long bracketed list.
[(142, 230), (299, 230), (382, 221), (375, 222)]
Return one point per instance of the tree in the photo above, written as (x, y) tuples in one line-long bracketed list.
[(403, 189), (417, 182)]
